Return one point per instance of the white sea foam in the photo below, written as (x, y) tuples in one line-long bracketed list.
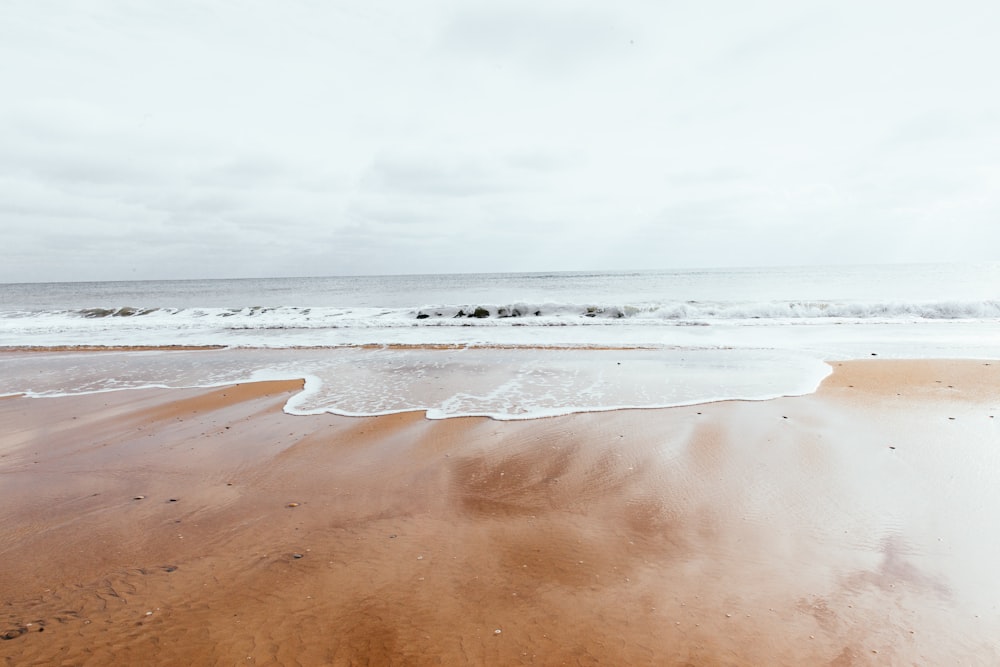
[(510, 346), (293, 326), (515, 383)]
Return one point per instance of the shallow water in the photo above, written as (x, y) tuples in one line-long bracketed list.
[(514, 383), (510, 346)]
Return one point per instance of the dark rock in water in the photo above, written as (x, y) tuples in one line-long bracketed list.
[(594, 311), (422, 316), (481, 312), (460, 313), (96, 312)]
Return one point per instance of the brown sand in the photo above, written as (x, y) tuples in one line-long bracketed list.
[(855, 526)]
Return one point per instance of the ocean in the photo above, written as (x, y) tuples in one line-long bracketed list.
[(508, 346)]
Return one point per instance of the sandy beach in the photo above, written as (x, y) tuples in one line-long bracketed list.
[(854, 526)]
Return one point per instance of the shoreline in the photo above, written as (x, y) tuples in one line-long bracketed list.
[(501, 383), (848, 526)]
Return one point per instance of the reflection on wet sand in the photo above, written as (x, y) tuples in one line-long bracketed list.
[(850, 527)]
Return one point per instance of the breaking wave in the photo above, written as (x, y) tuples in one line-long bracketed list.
[(480, 324), (538, 313)]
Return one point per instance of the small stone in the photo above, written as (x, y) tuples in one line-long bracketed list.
[(138, 497), (292, 505), (296, 556), (497, 631)]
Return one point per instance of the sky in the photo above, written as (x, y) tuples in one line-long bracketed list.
[(194, 139)]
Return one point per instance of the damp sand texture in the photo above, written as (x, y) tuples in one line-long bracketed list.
[(854, 526)]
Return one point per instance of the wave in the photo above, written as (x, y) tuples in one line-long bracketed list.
[(512, 324), (694, 310), (532, 313), (521, 383), (670, 311)]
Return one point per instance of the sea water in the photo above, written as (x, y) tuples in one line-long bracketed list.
[(504, 345)]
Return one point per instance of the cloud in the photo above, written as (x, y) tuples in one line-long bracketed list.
[(541, 39), (432, 178), (260, 139)]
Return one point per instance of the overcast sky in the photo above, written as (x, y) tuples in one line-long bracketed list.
[(219, 138)]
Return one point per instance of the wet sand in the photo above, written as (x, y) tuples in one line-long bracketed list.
[(855, 526)]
